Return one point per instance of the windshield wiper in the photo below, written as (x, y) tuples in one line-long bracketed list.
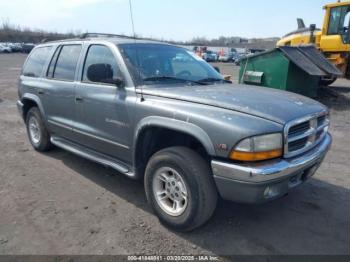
[(160, 78), (212, 80)]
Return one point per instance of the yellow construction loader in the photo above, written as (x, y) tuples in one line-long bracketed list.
[(333, 40)]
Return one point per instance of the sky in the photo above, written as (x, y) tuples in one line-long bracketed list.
[(167, 19)]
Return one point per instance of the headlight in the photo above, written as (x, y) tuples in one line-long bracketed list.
[(258, 148)]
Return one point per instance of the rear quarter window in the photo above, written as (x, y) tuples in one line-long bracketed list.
[(36, 61)]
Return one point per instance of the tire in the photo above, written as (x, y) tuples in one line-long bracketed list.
[(196, 176), (327, 82), (37, 132)]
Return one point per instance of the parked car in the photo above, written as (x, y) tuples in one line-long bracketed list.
[(16, 47), (178, 125), (27, 47), (239, 58), (5, 49), (256, 50), (226, 57), (210, 56)]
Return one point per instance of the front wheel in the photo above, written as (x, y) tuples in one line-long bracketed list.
[(180, 188), (327, 82)]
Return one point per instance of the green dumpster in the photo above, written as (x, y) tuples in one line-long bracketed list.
[(295, 69)]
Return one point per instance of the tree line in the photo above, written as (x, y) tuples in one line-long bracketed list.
[(18, 34)]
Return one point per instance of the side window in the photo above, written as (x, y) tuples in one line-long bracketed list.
[(52, 65), (338, 21), (67, 62), (100, 65), (36, 62), (334, 21)]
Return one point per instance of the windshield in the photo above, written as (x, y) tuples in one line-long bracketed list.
[(159, 63)]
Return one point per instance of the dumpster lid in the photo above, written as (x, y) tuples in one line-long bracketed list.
[(318, 59), (295, 55)]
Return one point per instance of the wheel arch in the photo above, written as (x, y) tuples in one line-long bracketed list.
[(149, 130), (30, 100)]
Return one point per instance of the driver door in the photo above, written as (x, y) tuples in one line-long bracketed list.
[(103, 117)]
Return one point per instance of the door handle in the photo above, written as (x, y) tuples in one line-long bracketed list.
[(41, 92), (79, 99)]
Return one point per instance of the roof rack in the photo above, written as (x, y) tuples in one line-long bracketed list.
[(45, 41), (87, 35)]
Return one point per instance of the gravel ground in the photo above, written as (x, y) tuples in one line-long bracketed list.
[(58, 203)]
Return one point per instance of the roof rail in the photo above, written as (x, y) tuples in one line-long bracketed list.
[(87, 35)]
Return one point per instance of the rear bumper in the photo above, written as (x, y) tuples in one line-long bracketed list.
[(263, 182)]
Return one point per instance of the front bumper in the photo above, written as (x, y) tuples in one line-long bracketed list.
[(263, 182), (20, 107)]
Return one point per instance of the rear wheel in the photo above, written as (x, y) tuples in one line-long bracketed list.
[(38, 135), (180, 188)]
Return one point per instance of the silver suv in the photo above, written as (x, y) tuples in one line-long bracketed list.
[(158, 112)]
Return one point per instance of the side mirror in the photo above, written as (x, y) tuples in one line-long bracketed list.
[(217, 69), (103, 73)]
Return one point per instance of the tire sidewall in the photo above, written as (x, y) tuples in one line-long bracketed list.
[(35, 113), (175, 162)]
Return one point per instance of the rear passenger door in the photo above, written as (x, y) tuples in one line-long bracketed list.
[(33, 70), (103, 117), (58, 91)]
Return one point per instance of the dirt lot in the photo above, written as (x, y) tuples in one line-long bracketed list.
[(58, 203)]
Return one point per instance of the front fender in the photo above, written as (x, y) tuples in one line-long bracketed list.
[(176, 125)]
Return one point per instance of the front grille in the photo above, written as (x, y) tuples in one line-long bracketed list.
[(321, 120), (303, 134), (299, 129), (297, 145)]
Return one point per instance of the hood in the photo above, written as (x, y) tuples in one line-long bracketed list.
[(275, 105)]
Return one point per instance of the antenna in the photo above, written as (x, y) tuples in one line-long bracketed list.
[(132, 20), (137, 53)]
